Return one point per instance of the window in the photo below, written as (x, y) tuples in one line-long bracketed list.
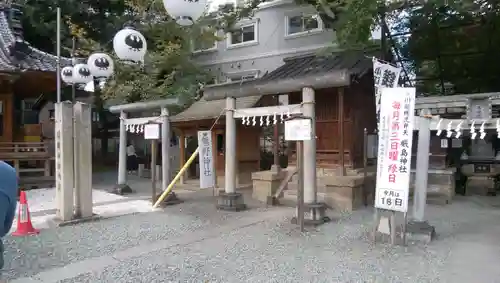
[(302, 24), (28, 115), (243, 34), (237, 78)]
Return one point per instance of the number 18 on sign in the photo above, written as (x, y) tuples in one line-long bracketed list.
[(394, 148)]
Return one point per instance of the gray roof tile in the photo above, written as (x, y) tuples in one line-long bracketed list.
[(30, 59), (357, 63)]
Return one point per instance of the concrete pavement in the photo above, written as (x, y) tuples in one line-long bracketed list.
[(192, 242), (43, 207)]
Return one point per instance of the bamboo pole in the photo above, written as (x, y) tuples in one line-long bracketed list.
[(176, 178)]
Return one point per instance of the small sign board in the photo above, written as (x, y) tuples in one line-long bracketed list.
[(298, 129), (152, 131), (482, 168), (207, 174), (394, 148), (444, 143), (372, 146)]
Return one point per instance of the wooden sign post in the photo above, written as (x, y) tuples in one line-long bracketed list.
[(299, 129), (152, 132)]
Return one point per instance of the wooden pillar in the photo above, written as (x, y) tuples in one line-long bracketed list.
[(46, 165), (16, 161), (182, 154), (276, 138), (214, 154), (341, 128)]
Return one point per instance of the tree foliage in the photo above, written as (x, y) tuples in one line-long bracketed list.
[(170, 71), (451, 46)]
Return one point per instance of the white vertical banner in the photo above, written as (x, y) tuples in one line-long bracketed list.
[(206, 160), (384, 76), (394, 148)]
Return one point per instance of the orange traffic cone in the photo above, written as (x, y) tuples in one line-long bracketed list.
[(24, 226)]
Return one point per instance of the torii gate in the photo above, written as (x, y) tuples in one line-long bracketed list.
[(122, 187), (230, 199), (283, 83)]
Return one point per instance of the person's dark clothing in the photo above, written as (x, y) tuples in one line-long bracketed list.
[(132, 163), (8, 202)]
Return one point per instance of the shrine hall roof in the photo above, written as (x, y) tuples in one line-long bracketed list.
[(17, 54), (203, 110), (312, 64), (311, 70)]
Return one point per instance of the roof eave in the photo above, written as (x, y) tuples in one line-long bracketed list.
[(257, 87)]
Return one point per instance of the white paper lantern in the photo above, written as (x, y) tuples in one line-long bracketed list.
[(67, 74), (101, 65), (185, 12), (81, 74), (130, 45)]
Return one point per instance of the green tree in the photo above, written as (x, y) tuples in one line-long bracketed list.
[(452, 45), (97, 19)]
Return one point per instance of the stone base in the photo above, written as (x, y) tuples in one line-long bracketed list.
[(230, 201), (271, 200), (121, 189), (479, 185), (347, 193), (420, 231), (275, 169), (314, 214), (266, 183), (76, 220), (441, 185), (170, 199)]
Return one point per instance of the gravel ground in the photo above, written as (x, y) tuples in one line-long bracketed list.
[(270, 250)]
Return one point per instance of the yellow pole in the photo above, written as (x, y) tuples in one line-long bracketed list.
[(177, 177)]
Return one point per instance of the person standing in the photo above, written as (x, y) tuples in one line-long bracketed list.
[(8, 203), (132, 159)]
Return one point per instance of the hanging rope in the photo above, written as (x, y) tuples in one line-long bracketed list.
[(268, 119)]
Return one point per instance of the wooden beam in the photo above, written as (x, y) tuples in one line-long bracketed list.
[(268, 111), (143, 121), (341, 128), (465, 127), (141, 106), (276, 138), (257, 87), (457, 98)]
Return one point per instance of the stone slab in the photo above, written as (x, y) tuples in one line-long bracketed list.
[(230, 201), (121, 189), (344, 181), (420, 231), (268, 175)]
